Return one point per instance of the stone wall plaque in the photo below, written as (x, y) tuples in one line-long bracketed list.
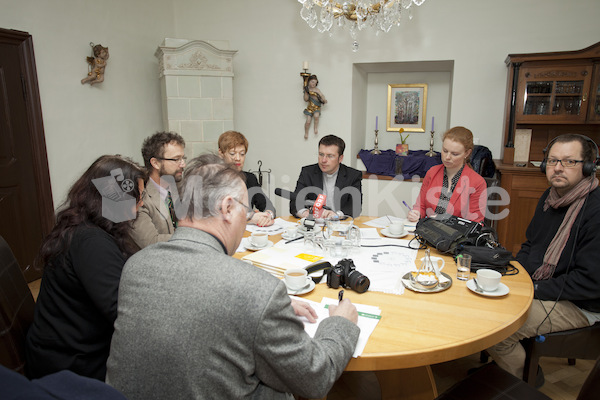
[(522, 145)]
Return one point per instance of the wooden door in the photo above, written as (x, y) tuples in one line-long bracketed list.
[(26, 207)]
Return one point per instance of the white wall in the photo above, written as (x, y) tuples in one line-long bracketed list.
[(476, 35), (82, 123)]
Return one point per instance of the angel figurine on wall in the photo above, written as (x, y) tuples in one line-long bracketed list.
[(96, 65), (315, 99)]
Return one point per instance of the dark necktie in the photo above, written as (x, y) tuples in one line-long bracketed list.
[(169, 201)]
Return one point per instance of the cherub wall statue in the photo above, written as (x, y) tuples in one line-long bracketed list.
[(315, 100), (97, 64)]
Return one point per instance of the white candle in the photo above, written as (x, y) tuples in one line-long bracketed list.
[(376, 120), (305, 65), (432, 119)]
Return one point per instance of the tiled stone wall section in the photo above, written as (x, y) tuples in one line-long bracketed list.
[(196, 79)]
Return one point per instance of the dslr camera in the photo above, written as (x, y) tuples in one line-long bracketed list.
[(344, 274)]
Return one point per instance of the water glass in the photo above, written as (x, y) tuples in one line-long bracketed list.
[(463, 267)]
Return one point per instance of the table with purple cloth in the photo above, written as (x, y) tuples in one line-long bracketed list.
[(388, 163)]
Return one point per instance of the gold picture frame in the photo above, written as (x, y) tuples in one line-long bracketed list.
[(407, 107)]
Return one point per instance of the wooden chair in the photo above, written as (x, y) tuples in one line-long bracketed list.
[(581, 343), (492, 382), (16, 310)]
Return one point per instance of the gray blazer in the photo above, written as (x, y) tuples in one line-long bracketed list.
[(153, 222), (195, 323)]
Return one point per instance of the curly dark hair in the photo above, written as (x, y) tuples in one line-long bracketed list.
[(84, 206), (154, 146)]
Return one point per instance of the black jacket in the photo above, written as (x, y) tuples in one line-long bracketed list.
[(577, 275), (257, 197), (76, 307), (349, 180)]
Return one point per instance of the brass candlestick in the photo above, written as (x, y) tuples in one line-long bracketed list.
[(305, 75), (376, 149), (431, 153)]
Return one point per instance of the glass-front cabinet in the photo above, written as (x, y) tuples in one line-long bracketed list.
[(594, 110), (553, 94)]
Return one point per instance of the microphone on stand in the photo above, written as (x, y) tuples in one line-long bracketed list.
[(291, 196)]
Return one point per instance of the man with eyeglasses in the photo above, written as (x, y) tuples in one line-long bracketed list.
[(195, 323), (164, 158), (561, 251), (341, 184)]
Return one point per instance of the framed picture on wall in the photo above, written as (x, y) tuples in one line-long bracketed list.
[(407, 107)]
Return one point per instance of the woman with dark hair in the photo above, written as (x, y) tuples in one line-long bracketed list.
[(83, 257), (453, 187)]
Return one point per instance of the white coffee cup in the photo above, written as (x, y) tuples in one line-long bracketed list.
[(259, 239), (488, 279), (296, 278), (291, 232), (396, 228)]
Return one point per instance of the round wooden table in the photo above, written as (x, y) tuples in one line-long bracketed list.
[(420, 329)]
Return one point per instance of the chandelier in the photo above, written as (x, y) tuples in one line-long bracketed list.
[(356, 15)]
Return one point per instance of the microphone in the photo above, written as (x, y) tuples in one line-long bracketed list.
[(286, 194), (291, 196), (540, 338)]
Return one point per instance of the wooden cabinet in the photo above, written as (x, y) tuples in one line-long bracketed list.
[(524, 186), (549, 94), (553, 94), (594, 108)]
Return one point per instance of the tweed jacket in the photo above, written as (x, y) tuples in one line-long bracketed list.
[(468, 200), (153, 223), (312, 176), (195, 323)]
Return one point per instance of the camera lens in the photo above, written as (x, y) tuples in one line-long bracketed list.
[(357, 281)]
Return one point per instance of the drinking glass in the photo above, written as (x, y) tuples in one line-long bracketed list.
[(463, 267)]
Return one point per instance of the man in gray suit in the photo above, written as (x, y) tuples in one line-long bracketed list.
[(195, 323), (164, 159)]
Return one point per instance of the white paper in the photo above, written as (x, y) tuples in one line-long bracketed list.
[(385, 221), (369, 233), (279, 226), (367, 320)]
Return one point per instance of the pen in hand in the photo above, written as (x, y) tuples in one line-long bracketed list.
[(407, 206), (341, 295)]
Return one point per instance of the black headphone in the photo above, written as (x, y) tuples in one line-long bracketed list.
[(589, 167)]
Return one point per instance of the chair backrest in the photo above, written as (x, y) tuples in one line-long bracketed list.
[(492, 196), (16, 310), (591, 386), (482, 161)]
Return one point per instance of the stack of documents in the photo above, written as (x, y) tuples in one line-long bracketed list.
[(277, 260), (368, 317)]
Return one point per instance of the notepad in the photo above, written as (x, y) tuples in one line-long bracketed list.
[(368, 318), (276, 260)]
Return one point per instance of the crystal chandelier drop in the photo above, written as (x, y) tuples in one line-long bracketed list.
[(356, 15)]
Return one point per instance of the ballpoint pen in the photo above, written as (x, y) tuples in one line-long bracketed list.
[(407, 206), (341, 295)]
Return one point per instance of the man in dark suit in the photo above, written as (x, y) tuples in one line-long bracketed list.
[(341, 184), (195, 323)]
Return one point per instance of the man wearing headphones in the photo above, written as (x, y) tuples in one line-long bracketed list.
[(561, 251)]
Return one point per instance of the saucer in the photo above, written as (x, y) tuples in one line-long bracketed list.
[(501, 291), (309, 287), (251, 247), (387, 233), (302, 230), (286, 237)]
